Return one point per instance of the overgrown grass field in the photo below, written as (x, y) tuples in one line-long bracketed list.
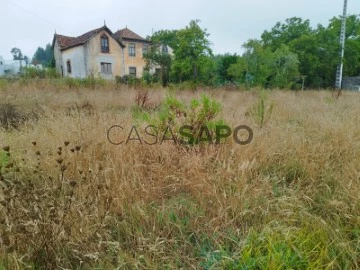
[(69, 199)]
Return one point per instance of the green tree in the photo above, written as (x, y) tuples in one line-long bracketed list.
[(284, 66), (222, 64), (191, 50), (254, 67), (43, 56), (260, 66), (283, 33), (157, 57), (318, 49), (352, 45), (165, 37)]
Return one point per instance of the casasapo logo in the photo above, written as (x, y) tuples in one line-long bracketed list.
[(185, 135)]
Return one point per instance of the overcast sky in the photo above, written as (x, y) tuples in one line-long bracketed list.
[(27, 24)]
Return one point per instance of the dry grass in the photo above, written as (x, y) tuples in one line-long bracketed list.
[(290, 199)]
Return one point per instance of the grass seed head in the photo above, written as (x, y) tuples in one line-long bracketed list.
[(73, 183)]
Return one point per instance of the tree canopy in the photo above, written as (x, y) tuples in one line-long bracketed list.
[(292, 49), (43, 56), (289, 51), (191, 53)]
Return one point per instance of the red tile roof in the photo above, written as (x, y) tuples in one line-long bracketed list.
[(128, 34), (63, 41), (66, 42)]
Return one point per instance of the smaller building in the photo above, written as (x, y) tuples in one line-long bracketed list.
[(10, 67), (351, 83)]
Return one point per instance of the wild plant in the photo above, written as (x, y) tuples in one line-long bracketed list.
[(262, 110)]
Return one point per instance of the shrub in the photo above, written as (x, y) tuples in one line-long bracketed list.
[(309, 247), (262, 110), (128, 80), (72, 83), (92, 82), (10, 117), (200, 118), (31, 73), (51, 73), (45, 73)]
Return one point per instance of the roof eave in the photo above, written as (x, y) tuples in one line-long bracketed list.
[(137, 40), (72, 46), (53, 42)]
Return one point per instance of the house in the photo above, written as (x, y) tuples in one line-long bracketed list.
[(351, 83), (135, 48), (100, 53), (10, 67)]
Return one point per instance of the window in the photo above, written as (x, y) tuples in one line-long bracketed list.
[(104, 44), (132, 71), (164, 49), (145, 48), (132, 49), (106, 68), (68, 65)]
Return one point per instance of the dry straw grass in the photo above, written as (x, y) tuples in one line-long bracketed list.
[(71, 200)]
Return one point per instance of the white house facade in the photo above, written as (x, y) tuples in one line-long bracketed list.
[(10, 67), (100, 53)]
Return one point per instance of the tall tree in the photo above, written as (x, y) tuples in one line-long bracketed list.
[(352, 45), (165, 37), (43, 56), (192, 47), (222, 64), (283, 33), (260, 66), (157, 57), (254, 65), (284, 66)]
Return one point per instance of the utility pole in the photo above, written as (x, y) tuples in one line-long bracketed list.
[(339, 71)]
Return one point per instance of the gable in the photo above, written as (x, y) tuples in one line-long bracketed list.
[(127, 34), (94, 44), (66, 42)]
